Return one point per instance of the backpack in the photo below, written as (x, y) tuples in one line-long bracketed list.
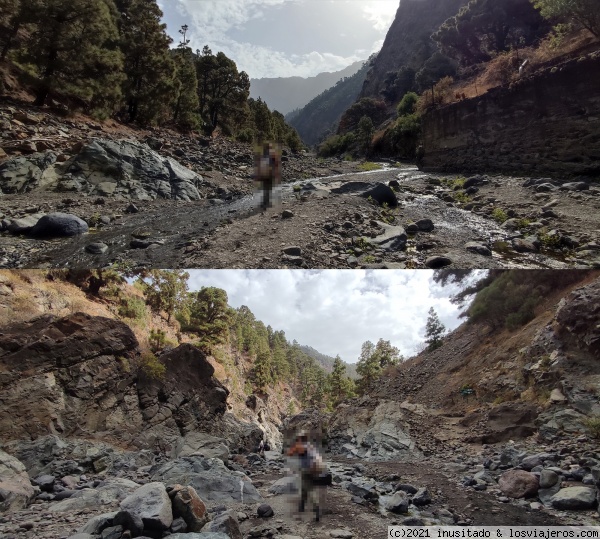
[(311, 461)]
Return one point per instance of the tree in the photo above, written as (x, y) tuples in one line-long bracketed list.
[(222, 90), (149, 65), (368, 367), (435, 68), (340, 386), (386, 354), (434, 330), (365, 132), (484, 28), (209, 316), (73, 51), (185, 106), (584, 12), (164, 290), (397, 83)]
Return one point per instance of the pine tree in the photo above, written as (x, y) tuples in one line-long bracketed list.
[(165, 290), (263, 369), (72, 51), (340, 386), (368, 366), (185, 107), (150, 69), (434, 330), (386, 354)]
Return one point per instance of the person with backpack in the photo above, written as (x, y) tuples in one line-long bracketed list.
[(267, 171), (311, 469)]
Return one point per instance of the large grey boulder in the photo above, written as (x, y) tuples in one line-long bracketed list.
[(16, 490), (202, 444), (131, 169), (210, 479), (394, 238), (109, 492), (396, 503), (285, 485), (23, 225), (59, 224), (225, 523), (22, 174), (188, 506), (574, 498), (152, 505)]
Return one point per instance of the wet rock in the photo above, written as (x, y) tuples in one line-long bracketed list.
[(15, 487), (96, 248), (438, 261), (59, 224), (573, 498), (152, 505), (478, 248), (382, 194), (518, 484), (425, 225)]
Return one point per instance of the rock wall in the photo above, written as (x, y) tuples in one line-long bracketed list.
[(548, 124), (77, 377)]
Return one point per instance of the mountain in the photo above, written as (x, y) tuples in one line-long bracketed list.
[(326, 362), (285, 94), (408, 42), (322, 114)]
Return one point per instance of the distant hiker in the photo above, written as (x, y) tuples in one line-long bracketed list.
[(267, 446), (261, 448), (267, 171), (312, 469)]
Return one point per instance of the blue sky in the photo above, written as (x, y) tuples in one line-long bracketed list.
[(282, 38), (335, 311)]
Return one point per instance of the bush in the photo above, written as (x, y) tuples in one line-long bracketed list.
[(133, 307), (499, 215), (245, 135), (152, 366), (407, 104), (336, 145), (592, 424)]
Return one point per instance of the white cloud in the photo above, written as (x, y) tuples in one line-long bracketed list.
[(381, 12), (336, 311)]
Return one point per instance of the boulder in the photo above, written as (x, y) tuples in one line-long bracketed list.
[(96, 524), (394, 238), (15, 488), (23, 225), (548, 478), (210, 479), (438, 261), (204, 445), (574, 498), (425, 225), (225, 523), (396, 503), (421, 497), (109, 492), (285, 485), (22, 174), (518, 484), (152, 505), (478, 248), (59, 224), (188, 505), (382, 194)]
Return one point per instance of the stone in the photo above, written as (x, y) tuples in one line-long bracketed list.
[(438, 261), (341, 534), (575, 186), (224, 523), (548, 478), (16, 490), (59, 224), (525, 245), (557, 397), (473, 180), (287, 214), (199, 443), (187, 504), (394, 238), (573, 498), (152, 505), (412, 228), (409, 489), (178, 526), (285, 485), (478, 248), (518, 484), (382, 194), (292, 251), (96, 248), (422, 497), (425, 225), (96, 524), (110, 492), (24, 224), (265, 511), (45, 482), (396, 503)]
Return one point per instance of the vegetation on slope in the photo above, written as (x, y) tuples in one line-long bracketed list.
[(113, 58)]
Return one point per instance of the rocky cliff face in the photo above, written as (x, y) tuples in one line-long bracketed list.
[(547, 124), (76, 377), (408, 41)]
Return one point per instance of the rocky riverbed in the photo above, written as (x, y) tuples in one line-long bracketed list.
[(110, 194)]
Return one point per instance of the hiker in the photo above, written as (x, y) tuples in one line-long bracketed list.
[(267, 171), (311, 470), (261, 448)]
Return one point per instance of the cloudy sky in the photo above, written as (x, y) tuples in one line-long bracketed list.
[(335, 311), (282, 38)]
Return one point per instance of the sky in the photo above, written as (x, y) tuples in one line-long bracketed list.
[(283, 38), (336, 311)]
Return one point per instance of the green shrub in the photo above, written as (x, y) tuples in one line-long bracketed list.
[(133, 307), (245, 135), (336, 145), (157, 339), (592, 424), (152, 366), (499, 215), (368, 166), (407, 104)]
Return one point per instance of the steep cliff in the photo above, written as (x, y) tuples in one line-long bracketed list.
[(408, 41), (544, 124)]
